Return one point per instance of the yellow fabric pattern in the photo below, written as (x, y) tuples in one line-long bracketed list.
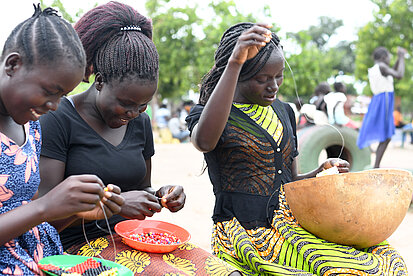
[(265, 117)]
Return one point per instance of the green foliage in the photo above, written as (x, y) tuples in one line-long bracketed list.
[(391, 27), (186, 43), (59, 5), (327, 27), (314, 62), (176, 43), (319, 34)]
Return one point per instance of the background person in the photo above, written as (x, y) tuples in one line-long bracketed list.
[(378, 123), (162, 116), (178, 130), (335, 101)]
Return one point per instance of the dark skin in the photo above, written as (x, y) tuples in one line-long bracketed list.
[(27, 92), (107, 108), (260, 89), (397, 71)]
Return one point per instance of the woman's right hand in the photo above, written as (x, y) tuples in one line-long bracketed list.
[(112, 203), (250, 42), (77, 193), (139, 204), (401, 51)]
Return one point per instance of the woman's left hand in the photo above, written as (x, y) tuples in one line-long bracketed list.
[(172, 197), (342, 165)]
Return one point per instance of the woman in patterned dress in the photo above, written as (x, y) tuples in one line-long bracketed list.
[(249, 141), (42, 60)]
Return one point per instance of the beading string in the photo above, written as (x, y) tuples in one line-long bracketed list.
[(310, 120), (299, 102), (110, 232)]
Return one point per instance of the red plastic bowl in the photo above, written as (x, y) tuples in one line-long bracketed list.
[(129, 227)]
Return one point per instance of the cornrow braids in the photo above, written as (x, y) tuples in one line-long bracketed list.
[(118, 43), (45, 37), (223, 53)]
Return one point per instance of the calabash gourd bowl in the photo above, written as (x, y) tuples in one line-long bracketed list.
[(359, 209)]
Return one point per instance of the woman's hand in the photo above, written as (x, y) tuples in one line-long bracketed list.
[(250, 42), (77, 193), (342, 165), (112, 202), (401, 52), (172, 197), (139, 204)]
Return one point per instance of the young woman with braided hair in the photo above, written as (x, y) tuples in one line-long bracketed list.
[(378, 123), (249, 141), (105, 131), (42, 60)]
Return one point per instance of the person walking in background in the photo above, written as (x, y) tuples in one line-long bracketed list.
[(378, 123), (335, 101)]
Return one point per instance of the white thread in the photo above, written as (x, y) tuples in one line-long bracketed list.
[(110, 232), (299, 102), (84, 234)]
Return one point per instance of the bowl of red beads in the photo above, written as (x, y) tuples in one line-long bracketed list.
[(152, 235)]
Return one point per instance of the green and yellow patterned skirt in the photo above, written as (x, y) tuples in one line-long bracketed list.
[(288, 249)]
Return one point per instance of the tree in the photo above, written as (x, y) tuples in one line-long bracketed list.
[(314, 61), (177, 46), (59, 5), (320, 34), (226, 14), (391, 27), (187, 42)]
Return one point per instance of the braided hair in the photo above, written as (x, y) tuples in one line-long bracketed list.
[(118, 43), (45, 37), (223, 53)]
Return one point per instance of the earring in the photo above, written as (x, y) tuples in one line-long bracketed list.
[(98, 86)]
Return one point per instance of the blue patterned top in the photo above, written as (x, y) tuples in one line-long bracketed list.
[(19, 181)]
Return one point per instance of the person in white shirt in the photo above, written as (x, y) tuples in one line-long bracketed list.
[(378, 123), (162, 116), (178, 130), (335, 101)]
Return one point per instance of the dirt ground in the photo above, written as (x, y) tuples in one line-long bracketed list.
[(182, 164)]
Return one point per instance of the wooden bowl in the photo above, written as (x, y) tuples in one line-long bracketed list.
[(359, 209)]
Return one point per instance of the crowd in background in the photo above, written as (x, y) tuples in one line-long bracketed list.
[(333, 106), (170, 121)]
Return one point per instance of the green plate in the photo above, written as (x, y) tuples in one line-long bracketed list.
[(67, 261)]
